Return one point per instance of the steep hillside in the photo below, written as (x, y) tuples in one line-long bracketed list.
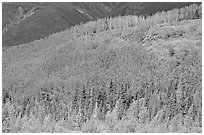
[(122, 74), (25, 22)]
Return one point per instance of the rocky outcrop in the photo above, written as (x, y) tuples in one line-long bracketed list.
[(20, 16)]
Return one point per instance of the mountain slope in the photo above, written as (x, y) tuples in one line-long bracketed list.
[(47, 18), (123, 74)]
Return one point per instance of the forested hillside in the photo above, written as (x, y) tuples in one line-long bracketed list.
[(122, 74)]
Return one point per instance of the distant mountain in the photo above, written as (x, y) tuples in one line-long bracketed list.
[(25, 22), (146, 8)]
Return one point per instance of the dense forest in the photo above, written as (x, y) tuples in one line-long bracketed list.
[(122, 74)]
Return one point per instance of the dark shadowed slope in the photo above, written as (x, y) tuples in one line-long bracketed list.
[(49, 18)]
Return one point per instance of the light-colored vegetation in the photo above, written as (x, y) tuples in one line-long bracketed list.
[(123, 74)]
